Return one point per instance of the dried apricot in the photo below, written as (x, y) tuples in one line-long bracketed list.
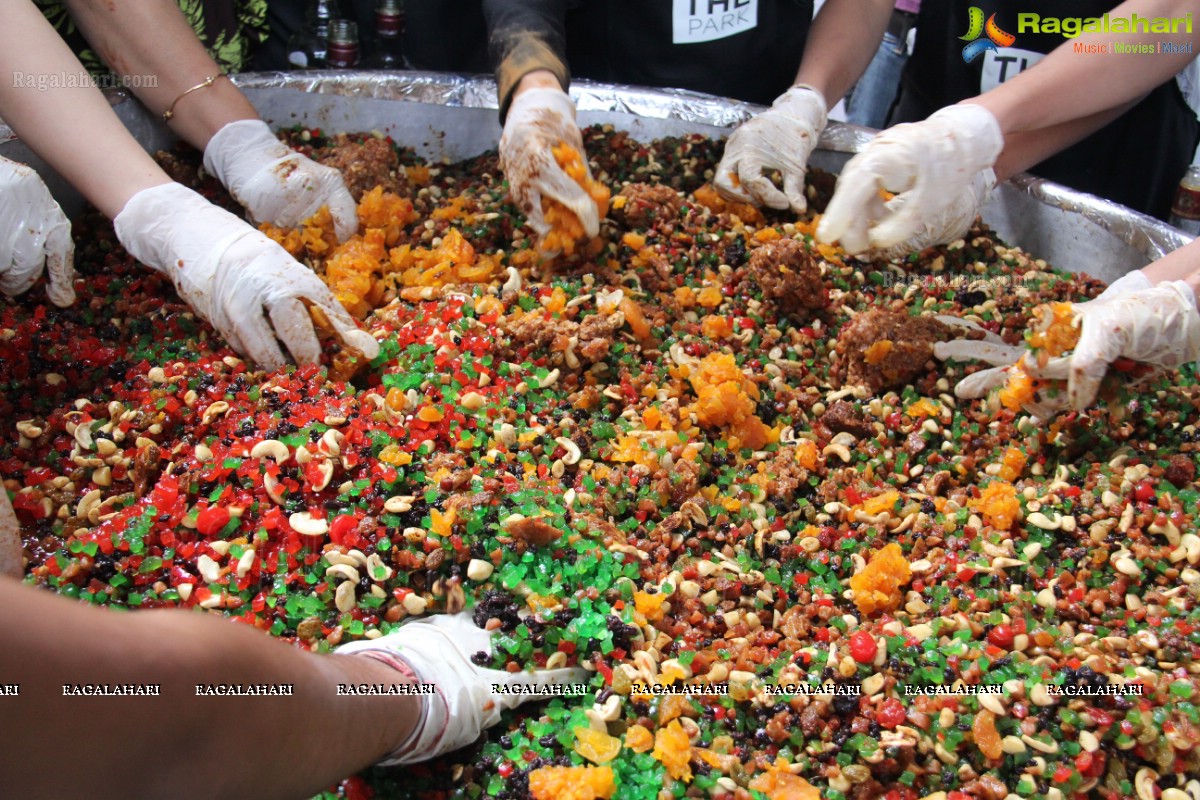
[(596, 746), (638, 738), (673, 748), (778, 783), (877, 587), (987, 739), (998, 504), (572, 783)]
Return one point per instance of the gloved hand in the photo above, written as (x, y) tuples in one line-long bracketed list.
[(275, 183), (439, 650), (230, 274), (538, 120), (1155, 325), (34, 233), (782, 137), (940, 170)]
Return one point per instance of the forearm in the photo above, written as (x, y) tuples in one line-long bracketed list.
[(152, 38), (303, 743), (525, 36), (1179, 265), (1025, 149), (842, 42), (1067, 85), (72, 129)]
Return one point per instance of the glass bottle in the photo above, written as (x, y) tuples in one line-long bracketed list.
[(1185, 211), (308, 47), (385, 48), (343, 44)]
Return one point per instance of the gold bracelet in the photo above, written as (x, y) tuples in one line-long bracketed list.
[(209, 81)]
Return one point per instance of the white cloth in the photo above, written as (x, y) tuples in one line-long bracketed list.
[(233, 276)]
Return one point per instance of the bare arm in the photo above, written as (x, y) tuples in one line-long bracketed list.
[(178, 744), (73, 129), (1040, 98), (152, 38), (841, 43), (1024, 149)]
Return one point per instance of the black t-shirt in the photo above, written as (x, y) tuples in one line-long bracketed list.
[(1137, 160), (745, 49)]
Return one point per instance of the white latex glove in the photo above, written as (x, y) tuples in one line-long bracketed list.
[(940, 170), (1155, 325), (782, 138), (233, 276), (275, 183), (34, 233), (439, 650), (538, 120)]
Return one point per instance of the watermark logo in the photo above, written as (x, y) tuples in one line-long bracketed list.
[(996, 37)]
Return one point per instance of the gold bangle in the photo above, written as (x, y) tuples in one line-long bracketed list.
[(209, 81)]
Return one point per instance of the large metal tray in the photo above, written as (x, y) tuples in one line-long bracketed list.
[(454, 117)]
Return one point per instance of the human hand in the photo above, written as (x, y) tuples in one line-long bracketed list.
[(538, 120), (230, 274), (34, 233), (275, 183), (940, 171), (439, 650), (1156, 325), (782, 137)]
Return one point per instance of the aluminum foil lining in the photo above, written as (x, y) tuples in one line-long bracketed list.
[(1061, 224)]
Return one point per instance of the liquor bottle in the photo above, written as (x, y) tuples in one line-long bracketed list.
[(1185, 212), (343, 44), (385, 47), (309, 46)]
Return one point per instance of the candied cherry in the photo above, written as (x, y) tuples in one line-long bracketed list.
[(863, 647)]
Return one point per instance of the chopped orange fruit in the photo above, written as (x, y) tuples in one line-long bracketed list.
[(987, 738), (638, 738), (1054, 330), (778, 783), (394, 456), (881, 502), (1018, 391), (685, 296), (766, 235), (634, 240), (634, 318), (673, 748), (1012, 464), (923, 408), (707, 196), (596, 746), (806, 454), (710, 297), (672, 707), (454, 260), (715, 327), (650, 605), (572, 783), (442, 524), (998, 504), (418, 174), (877, 587), (430, 414), (727, 397), (566, 231), (386, 211), (878, 351)]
